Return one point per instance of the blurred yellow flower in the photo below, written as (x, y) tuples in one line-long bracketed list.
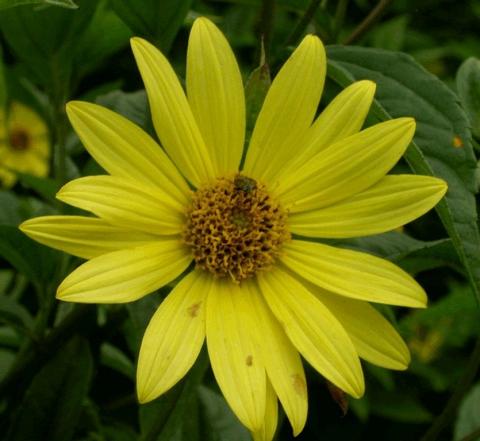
[(24, 144), (260, 292)]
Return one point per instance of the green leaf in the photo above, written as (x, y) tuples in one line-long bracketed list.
[(34, 260), (140, 313), (115, 359), (468, 419), (162, 420), (405, 250), (390, 34), (47, 49), (157, 21), (442, 144), (53, 402), (9, 208), (6, 360), (132, 105), (95, 45), (14, 313), (468, 87), (452, 320), (44, 187), (220, 422), (119, 432), (69, 4), (398, 405), (9, 337)]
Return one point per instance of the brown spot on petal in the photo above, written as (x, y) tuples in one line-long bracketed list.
[(457, 142), (193, 310), (249, 360), (299, 385), (339, 397)]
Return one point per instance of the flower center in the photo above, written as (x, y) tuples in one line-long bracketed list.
[(19, 139), (235, 228)]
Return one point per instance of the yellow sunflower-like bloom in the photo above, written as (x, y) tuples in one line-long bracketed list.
[(260, 292), (24, 144)]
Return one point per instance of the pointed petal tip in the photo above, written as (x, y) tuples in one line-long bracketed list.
[(76, 108), (367, 86), (140, 45), (312, 39), (203, 21), (143, 396), (408, 122), (357, 390), (442, 187), (136, 41), (312, 43), (298, 429), (60, 294), (73, 105)]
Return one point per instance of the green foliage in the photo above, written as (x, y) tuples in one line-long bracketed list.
[(468, 86), (53, 402), (220, 423), (35, 261), (48, 47), (70, 4), (154, 20), (404, 88), (67, 372), (165, 419), (468, 420)]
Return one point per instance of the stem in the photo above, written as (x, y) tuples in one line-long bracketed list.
[(58, 96), (60, 160), (266, 25), (368, 22), (449, 412), (339, 18), (304, 22)]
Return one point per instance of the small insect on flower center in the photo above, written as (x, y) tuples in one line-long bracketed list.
[(235, 228), (19, 139)]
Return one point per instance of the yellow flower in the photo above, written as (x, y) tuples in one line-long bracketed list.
[(259, 292), (24, 144)]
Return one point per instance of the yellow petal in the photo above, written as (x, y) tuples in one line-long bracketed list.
[(344, 116), (81, 236), (374, 338), (234, 357), (353, 274), (271, 417), (215, 94), (25, 162), (313, 330), (124, 150), (392, 202), (126, 275), (125, 204), (288, 110), (281, 359), (172, 117), (173, 338), (346, 167)]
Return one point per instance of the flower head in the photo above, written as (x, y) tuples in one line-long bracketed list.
[(24, 144), (261, 291)]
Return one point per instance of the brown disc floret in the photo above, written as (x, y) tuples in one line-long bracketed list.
[(235, 228)]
